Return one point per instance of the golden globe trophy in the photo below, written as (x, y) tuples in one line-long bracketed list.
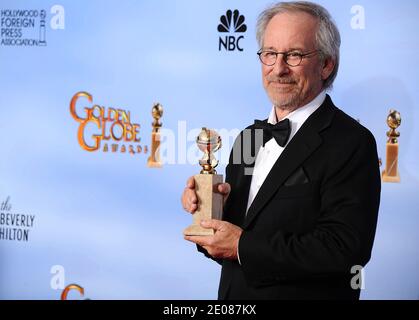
[(391, 172), (210, 203), (154, 158)]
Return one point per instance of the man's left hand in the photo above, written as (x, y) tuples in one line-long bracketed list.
[(224, 243)]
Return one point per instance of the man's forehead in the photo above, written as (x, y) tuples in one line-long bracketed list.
[(294, 19), (291, 29)]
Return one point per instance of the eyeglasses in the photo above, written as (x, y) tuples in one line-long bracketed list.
[(292, 58)]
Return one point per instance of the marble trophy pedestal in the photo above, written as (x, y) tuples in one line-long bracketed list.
[(210, 203)]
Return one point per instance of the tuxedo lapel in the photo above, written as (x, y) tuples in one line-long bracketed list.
[(303, 144), (244, 178)]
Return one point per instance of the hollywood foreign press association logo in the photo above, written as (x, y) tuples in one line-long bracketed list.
[(28, 27), (231, 22)]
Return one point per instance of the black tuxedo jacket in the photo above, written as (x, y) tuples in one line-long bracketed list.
[(314, 217)]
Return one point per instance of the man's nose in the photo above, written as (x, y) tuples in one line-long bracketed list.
[(280, 67)]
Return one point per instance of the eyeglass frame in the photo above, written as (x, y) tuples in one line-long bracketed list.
[(285, 56)]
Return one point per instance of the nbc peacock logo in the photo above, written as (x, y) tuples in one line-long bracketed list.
[(231, 22)]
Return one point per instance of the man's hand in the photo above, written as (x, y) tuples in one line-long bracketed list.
[(224, 243), (190, 200)]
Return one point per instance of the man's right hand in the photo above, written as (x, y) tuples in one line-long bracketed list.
[(190, 200)]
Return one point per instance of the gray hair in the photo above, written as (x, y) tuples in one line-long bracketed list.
[(327, 36)]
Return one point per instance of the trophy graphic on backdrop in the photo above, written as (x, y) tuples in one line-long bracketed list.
[(154, 158), (391, 172), (42, 28), (210, 204)]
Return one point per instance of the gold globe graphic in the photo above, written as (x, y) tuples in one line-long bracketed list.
[(394, 119), (157, 111)]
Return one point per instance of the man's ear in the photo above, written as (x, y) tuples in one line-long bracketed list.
[(328, 66)]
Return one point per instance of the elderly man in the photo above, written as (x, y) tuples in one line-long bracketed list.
[(303, 213)]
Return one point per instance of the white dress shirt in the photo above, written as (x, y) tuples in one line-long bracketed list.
[(269, 154)]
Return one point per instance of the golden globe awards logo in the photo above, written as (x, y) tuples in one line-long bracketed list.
[(107, 129), (231, 22)]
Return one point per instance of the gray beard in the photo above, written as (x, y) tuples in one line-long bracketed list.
[(293, 101), (290, 104)]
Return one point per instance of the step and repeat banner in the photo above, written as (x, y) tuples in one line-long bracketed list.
[(83, 86)]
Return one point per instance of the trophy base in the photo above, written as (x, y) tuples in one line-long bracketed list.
[(387, 178), (153, 164), (210, 204), (391, 173), (196, 230), (153, 160)]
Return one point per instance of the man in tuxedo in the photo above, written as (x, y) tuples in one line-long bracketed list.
[(303, 212)]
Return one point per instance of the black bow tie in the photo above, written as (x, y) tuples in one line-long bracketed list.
[(280, 131)]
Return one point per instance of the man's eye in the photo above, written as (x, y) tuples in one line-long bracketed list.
[(294, 54), (269, 54)]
